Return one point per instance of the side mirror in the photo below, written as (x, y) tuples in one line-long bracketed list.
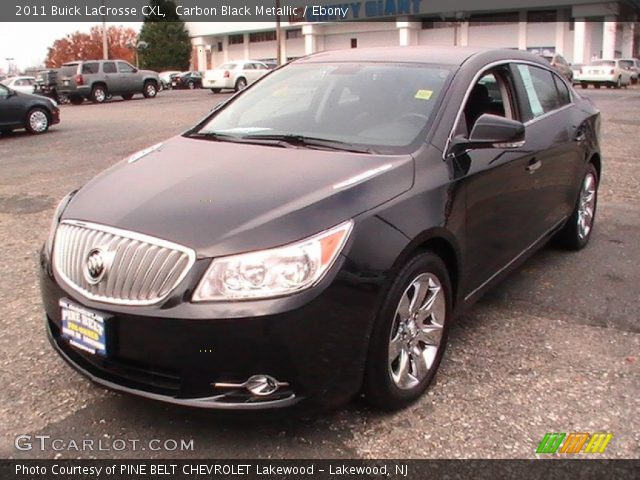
[(491, 131)]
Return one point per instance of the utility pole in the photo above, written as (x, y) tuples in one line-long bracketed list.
[(105, 43), (278, 35), (9, 60)]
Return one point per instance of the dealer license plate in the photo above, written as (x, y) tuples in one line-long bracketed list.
[(83, 328)]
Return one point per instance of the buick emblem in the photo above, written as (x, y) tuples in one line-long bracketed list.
[(95, 266)]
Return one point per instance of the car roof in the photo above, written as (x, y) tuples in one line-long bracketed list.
[(454, 56)]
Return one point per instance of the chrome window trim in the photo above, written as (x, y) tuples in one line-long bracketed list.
[(478, 76), (191, 254)]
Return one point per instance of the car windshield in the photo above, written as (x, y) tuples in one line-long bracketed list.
[(604, 63), (361, 104)]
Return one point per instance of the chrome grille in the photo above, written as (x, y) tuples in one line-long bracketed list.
[(139, 269)]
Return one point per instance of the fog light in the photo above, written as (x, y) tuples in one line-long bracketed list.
[(262, 385), (258, 385)]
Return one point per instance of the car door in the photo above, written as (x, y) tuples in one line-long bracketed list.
[(556, 138), (112, 77), (261, 70), (497, 182), (250, 72), (131, 79), (12, 108)]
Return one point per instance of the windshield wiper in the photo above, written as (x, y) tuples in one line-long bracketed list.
[(221, 137), (309, 142)]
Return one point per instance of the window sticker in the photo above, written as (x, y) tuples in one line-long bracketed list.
[(534, 101), (424, 94)]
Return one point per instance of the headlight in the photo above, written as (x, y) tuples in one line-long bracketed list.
[(56, 220), (274, 272)]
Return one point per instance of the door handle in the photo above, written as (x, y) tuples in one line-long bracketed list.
[(534, 164)]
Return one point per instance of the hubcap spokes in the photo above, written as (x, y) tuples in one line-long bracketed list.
[(417, 331), (38, 121), (586, 206)]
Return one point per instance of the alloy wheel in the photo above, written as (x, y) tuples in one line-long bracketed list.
[(417, 331), (99, 95), (586, 206), (38, 121)]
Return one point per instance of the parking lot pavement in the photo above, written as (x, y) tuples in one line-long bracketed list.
[(554, 348)]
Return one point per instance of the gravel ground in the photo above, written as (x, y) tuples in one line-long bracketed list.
[(553, 348)]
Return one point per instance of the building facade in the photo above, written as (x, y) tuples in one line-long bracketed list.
[(581, 31)]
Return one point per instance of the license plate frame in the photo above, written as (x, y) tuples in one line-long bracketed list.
[(83, 328)]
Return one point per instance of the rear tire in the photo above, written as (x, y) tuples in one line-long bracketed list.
[(99, 94), (128, 96), (216, 90), (76, 100), (37, 121), (577, 231), (597, 85), (241, 84), (150, 90), (409, 335), (584, 85)]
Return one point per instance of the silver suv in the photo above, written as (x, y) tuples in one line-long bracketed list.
[(97, 80)]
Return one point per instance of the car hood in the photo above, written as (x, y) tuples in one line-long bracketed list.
[(33, 96), (221, 198)]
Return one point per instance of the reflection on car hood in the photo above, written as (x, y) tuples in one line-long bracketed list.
[(221, 198)]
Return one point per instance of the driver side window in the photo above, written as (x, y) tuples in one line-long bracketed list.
[(492, 94)]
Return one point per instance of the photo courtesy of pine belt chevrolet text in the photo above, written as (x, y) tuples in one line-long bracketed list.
[(314, 237)]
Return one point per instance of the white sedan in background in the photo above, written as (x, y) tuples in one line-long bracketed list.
[(611, 73), (20, 84), (234, 75)]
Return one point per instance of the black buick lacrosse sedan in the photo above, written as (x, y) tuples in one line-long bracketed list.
[(316, 234)]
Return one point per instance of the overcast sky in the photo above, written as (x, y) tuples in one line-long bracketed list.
[(27, 43)]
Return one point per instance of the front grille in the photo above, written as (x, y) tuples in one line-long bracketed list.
[(136, 269)]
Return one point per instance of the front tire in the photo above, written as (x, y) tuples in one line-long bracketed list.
[(37, 121), (577, 231), (410, 333), (149, 90)]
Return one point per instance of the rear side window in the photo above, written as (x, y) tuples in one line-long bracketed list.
[(540, 90), (90, 67), (109, 67), (564, 97)]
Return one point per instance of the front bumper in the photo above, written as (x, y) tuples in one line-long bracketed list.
[(55, 116), (318, 348)]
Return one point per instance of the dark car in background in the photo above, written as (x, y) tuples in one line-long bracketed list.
[(47, 84), (98, 80), (188, 80), (315, 235), (35, 113), (558, 62)]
